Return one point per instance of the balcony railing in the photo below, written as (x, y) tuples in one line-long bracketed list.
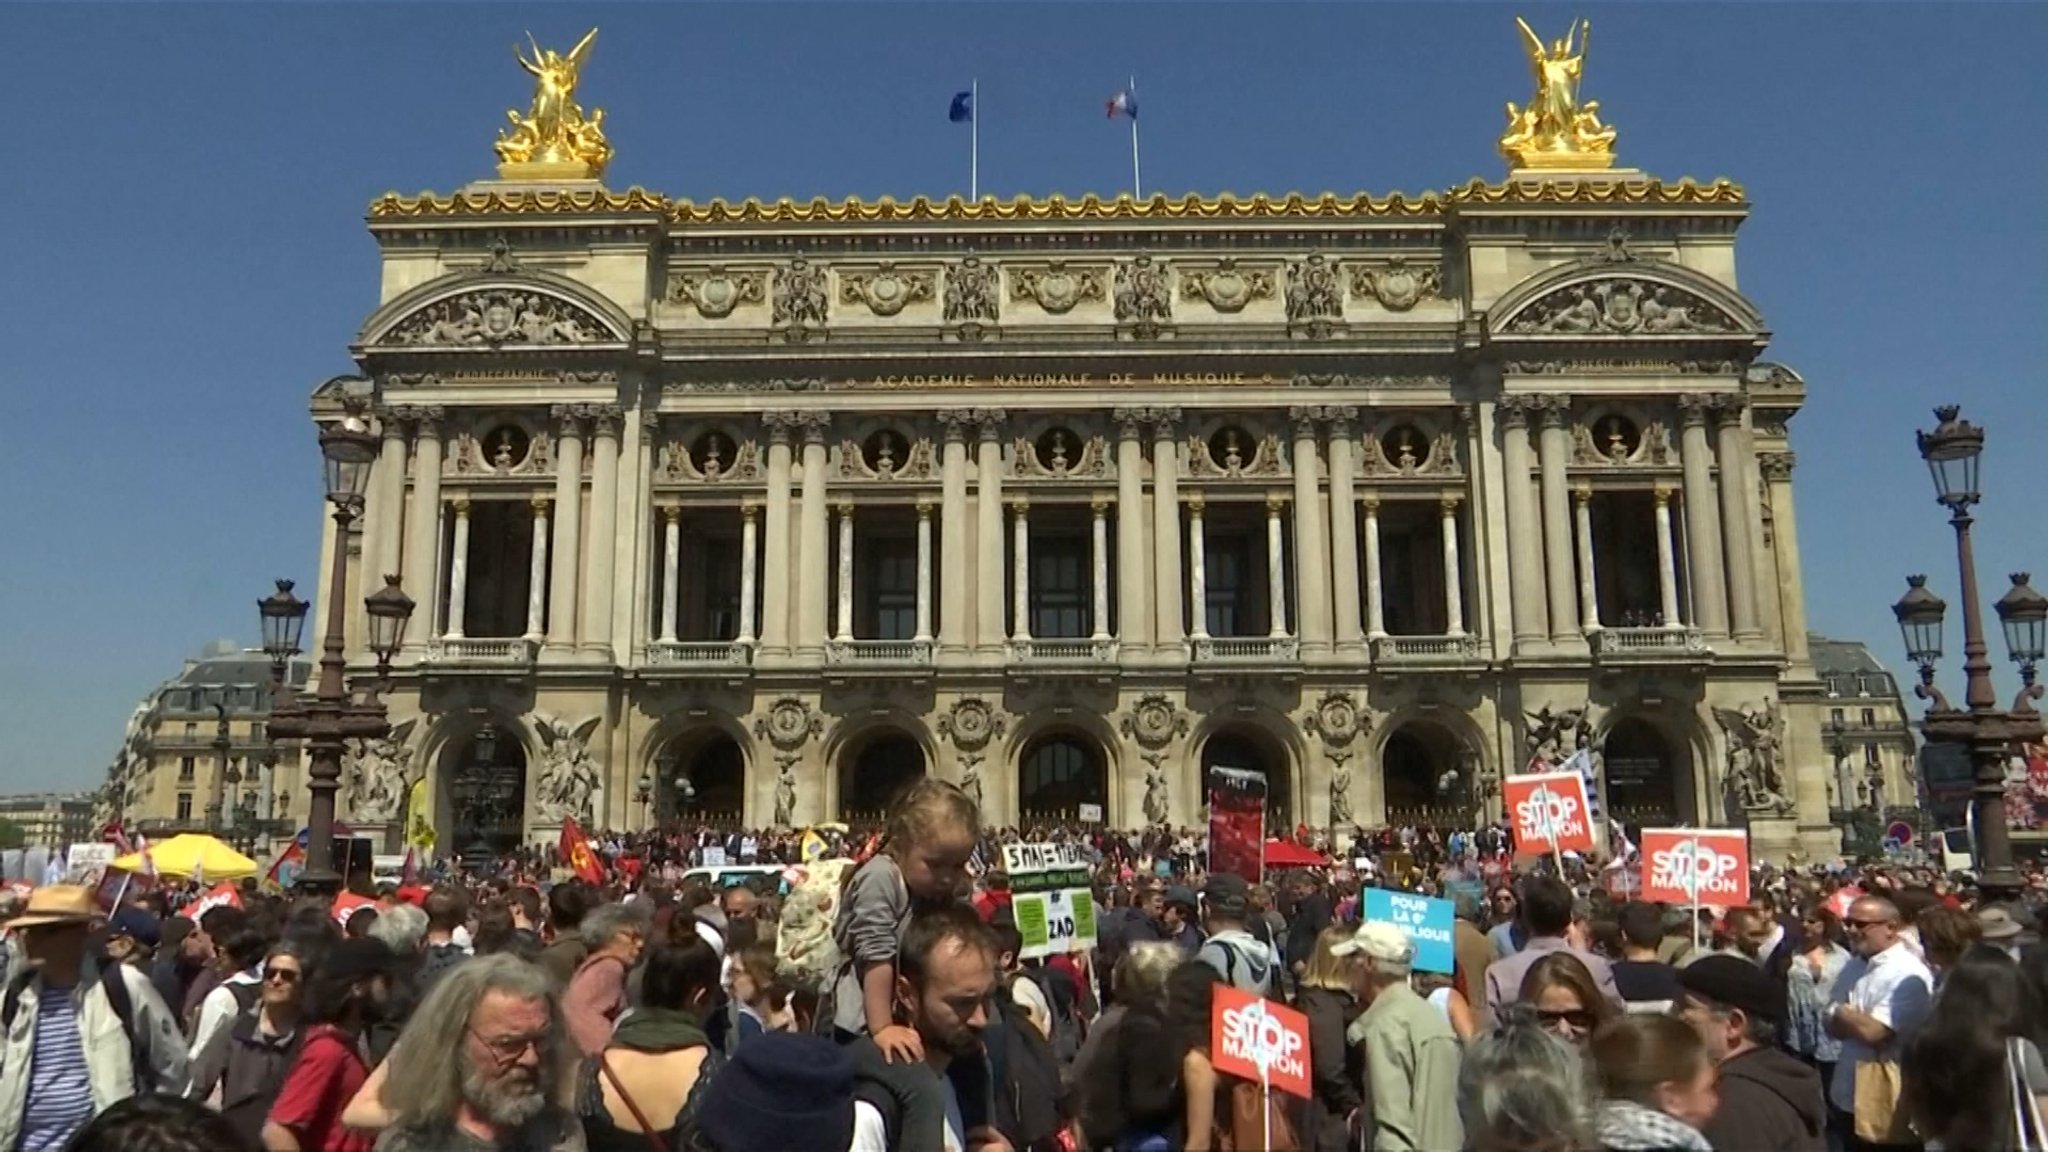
[(483, 651), (710, 654), (1083, 652), (879, 653), (1647, 643), (1246, 649), (1463, 649)]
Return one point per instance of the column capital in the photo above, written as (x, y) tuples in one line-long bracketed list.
[(954, 423), (604, 419), (541, 505), (779, 425), (814, 425), (425, 418), (1165, 422), (1019, 505), (991, 421), (1582, 493), (1661, 495), (672, 513), (391, 421), (461, 505), (1693, 408), (1557, 410), (1196, 503), (1130, 422), (569, 418), (1371, 503), (1729, 406), (749, 509), (650, 423), (925, 504), (844, 508), (1514, 411), (1340, 417), (1275, 503), (1305, 417), (1098, 504), (1777, 466), (1448, 503)]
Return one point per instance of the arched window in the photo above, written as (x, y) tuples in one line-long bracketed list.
[(1257, 752), (485, 786), (1647, 785), (702, 779), (1058, 774), (876, 773)]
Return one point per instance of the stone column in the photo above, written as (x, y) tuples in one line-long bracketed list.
[(423, 525), (537, 573), (1276, 566), (988, 499), (671, 569), (954, 610), (1589, 588), (1702, 521), (1099, 510), (458, 572), (567, 554), (776, 525), (924, 571), (1344, 531), (1736, 517), (1554, 451), (1776, 468), (1020, 549), (1454, 581), (1375, 597), (1525, 540), (813, 543), (845, 570), (388, 513), (1312, 587), (1667, 560), (604, 516), (1168, 631), (750, 545), (1198, 569), (1133, 625)]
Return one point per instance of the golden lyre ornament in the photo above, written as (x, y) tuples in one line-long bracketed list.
[(554, 140), (1556, 130)]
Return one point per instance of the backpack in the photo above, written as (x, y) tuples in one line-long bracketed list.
[(806, 957), (1065, 1026), (118, 999), (1026, 1075)]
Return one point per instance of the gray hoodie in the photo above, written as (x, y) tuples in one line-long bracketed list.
[(1240, 959)]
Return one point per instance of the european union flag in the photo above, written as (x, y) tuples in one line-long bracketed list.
[(962, 111)]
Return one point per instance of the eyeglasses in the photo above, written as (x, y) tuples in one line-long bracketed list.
[(509, 1048), (1862, 924), (1576, 1018), (282, 975)]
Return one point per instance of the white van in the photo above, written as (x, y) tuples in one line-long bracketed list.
[(725, 876), (387, 869), (1955, 852)]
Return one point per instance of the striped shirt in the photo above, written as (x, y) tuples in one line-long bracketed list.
[(59, 1091)]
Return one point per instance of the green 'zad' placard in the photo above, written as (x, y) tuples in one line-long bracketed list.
[(1029, 912)]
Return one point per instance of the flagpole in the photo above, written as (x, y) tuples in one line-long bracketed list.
[(1137, 185), (974, 140)]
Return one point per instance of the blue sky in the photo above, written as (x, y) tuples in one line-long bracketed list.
[(185, 255)]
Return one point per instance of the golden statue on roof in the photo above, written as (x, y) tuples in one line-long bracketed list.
[(554, 140), (1555, 130)]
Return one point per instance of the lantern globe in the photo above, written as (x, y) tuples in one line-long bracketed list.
[(1919, 613)]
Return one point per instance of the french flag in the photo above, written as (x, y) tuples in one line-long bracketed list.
[(1125, 102)]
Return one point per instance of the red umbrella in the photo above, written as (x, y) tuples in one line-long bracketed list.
[(1288, 854)]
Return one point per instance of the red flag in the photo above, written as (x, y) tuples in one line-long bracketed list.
[(575, 849)]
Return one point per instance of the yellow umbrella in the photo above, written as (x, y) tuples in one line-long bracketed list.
[(188, 855)]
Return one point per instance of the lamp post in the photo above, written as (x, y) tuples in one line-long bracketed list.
[(644, 793), (1989, 733), (217, 794), (284, 624), (332, 716)]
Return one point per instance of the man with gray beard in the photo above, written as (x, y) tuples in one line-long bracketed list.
[(481, 1066)]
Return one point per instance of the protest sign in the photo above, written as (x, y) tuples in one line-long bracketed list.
[(1050, 898), (1237, 822), (1549, 813), (220, 895), (347, 905), (1259, 1040), (1426, 921), (86, 863), (1696, 866)]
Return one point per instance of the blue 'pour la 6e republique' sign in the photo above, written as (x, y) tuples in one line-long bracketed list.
[(1426, 921)]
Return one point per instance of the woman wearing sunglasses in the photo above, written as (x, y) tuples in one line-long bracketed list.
[(1566, 1000), (243, 1067)]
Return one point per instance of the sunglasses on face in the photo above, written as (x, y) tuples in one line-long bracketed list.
[(1575, 1018), (281, 975)]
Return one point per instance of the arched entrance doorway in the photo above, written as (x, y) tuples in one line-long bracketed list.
[(702, 779), (1426, 777), (1057, 774), (1255, 751), (875, 772), (1649, 783), (484, 785)]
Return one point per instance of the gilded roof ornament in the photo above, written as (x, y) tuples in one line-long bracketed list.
[(554, 140), (1556, 130)]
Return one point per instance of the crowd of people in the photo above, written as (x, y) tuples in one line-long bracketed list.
[(514, 1008)]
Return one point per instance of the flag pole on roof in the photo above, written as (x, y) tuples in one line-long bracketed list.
[(1126, 102), (967, 107)]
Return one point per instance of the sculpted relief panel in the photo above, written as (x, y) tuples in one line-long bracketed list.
[(494, 317), (1622, 306)]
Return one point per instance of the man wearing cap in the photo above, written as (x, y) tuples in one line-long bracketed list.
[(1997, 926), (1233, 952), (132, 937), (1411, 1053), (79, 1036), (1770, 1102)]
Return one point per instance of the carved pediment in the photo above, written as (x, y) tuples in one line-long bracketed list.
[(1622, 306), (489, 310)]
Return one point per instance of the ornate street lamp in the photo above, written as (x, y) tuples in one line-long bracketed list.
[(217, 795), (333, 716), (1952, 451), (284, 622), (644, 792)]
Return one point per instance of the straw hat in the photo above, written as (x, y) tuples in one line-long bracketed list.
[(58, 904)]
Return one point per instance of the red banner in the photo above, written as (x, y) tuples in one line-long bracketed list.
[(1688, 866), (1237, 822), (1259, 1040), (221, 894), (1549, 813), (575, 849)]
